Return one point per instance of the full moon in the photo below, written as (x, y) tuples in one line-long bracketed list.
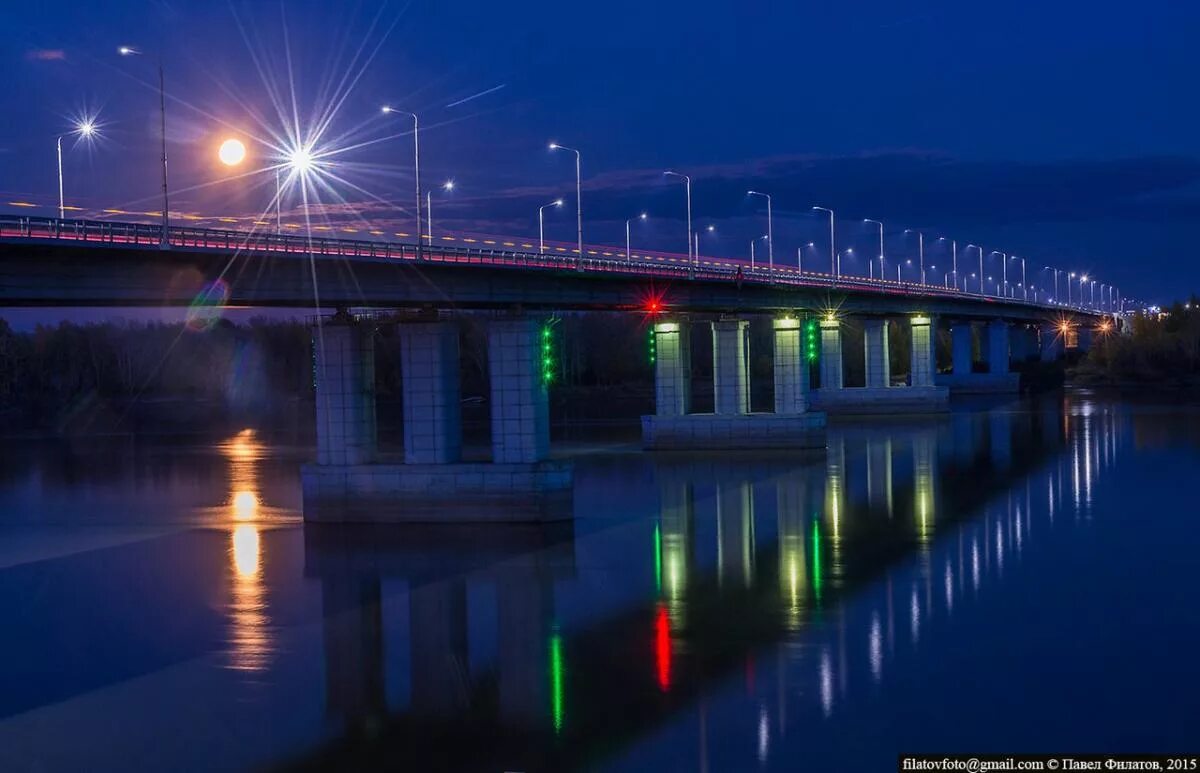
[(231, 152)]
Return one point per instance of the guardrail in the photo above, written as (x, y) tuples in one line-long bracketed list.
[(151, 236)]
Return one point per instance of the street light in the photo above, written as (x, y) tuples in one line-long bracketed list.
[(752, 241), (1069, 277), (1082, 281), (1055, 270), (953, 258), (578, 195), (880, 224), (920, 250), (628, 254), (1003, 269), (800, 257), (542, 224), (976, 246), (770, 238), (446, 186), (833, 263), (688, 183), (387, 110), (162, 111), (85, 129), (1024, 287)]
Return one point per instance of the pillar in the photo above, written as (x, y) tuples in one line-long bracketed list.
[(831, 354), (520, 416), (672, 368), (791, 369), (1052, 343), (731, 381), (998, 346), (1083, 337), (923, 362), (875, 349), (432, 404), (961, 346), (344, 371)]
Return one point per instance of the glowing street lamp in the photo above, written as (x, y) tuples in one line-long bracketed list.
[(578, 194), (446, 186), (162, 112), (953, 258), (800, 257), (628, 252), (976, 246), (542, 224), (1003, 268), (387, 110), (880, 224), (1083, 279), (920, 250), (688, 184), (770, 238), (752, 241), (833, 262), (85, 129)]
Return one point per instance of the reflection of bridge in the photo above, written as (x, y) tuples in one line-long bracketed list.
[(728, 579)]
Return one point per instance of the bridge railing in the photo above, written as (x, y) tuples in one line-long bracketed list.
[(101, 232)]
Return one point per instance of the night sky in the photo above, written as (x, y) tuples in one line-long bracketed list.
[(1064, 132)]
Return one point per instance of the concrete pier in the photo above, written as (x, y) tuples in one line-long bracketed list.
[(432, 406), (350, 483), (1052, 343), (878, 397), (996, 350), (731, 425), (875, 348), (962, 348), (831, 354), (998, 346), (731, 381), (344, 355), (791, 367)]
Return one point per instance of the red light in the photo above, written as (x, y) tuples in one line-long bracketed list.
[(662, 648), (654, 306)]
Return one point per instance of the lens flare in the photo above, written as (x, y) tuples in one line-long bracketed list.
[(232, 152)]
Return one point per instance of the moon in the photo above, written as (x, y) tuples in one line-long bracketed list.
[(232, 152)]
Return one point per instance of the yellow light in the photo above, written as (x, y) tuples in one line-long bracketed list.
[(232, 152), (246, 549), (245, 505)]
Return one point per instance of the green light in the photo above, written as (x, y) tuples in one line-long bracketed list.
[(657, 560), (547, 353), (556, 681), (816, 559)]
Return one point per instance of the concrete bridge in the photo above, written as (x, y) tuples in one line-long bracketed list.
[(86, 263)]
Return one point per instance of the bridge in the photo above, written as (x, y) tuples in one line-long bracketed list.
[(58, 262)]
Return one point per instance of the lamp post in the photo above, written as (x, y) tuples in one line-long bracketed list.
[(446, 186), (688, 184), (752, 241), (800, 257), (880, 224), (1069, 277), (542, 224), (628, 252), (1004, 272), (920, 251), (976, 246), (578, 196), (162, 112), (1024, 287), (833, 261), (1082, 281), (386, 110), (1055, 270), (953, 258), (85, 129), (770, 232)]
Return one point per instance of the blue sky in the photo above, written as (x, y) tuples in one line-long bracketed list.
[(1059, 131)]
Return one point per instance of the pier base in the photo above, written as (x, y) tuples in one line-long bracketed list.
[(481, 492), (706, 431), (881, 400)]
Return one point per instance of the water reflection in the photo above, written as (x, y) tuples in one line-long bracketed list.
[(251, 636)]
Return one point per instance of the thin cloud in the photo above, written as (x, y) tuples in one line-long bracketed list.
[(46, 55)]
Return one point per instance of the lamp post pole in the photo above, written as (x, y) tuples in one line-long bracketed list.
[(833, 261), (770, 233), (688, 185)]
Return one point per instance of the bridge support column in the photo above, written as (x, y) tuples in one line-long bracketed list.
[(429, 379), (875, 349), (345, 382), (731, 380), (831, 355), (791, 369), (923, 358), (672, 368), (998, 346), (962, 348), (1083, 338), (520, 410), (1052, 343)]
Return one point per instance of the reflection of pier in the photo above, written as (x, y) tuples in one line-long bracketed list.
[(731, 577)]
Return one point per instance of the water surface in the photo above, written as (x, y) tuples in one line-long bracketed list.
[(1018, 578)]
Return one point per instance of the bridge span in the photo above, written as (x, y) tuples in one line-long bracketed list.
[(86, 263)]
